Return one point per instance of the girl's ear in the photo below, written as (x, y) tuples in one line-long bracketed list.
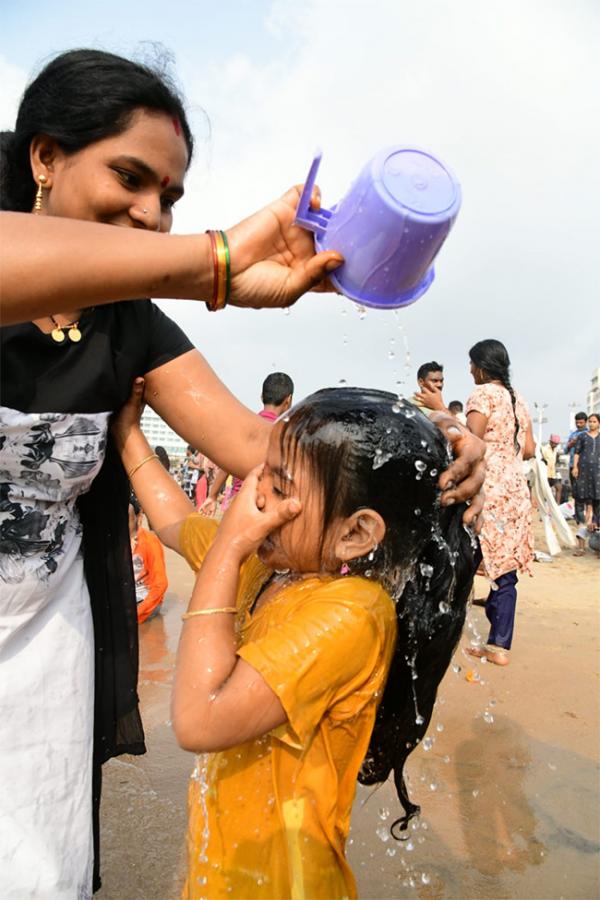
[(359, 534)]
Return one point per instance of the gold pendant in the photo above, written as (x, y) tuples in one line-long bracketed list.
[(58, 335), (74, 334)]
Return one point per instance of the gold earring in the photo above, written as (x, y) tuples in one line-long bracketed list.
[(37, 207)]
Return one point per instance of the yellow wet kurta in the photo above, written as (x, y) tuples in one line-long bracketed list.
[(270, 818)]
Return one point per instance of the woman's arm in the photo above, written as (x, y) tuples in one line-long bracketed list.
[(190, 397), (50, 263), (477, 423), (218, 699), (575, 469)]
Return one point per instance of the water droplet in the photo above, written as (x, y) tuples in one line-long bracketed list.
[(456, 669), (384, 813), (446, 759), (475, 793), (425, 878), (439, 727), (433, 786), (492, 702), (408, 846), (419, 719), (391, 355), (391, 851), (488, 717), (286, 311), (426, 570), (417, 511), (444, 607), (383, 833), (395, 408), (362, 312), (427, 743)]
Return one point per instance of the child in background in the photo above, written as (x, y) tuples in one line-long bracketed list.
[(292, 679), (148, 565)]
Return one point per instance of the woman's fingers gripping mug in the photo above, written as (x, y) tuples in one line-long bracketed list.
[(389, 227)]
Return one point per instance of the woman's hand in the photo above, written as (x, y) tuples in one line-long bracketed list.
[(127, 420), (463, 479), (273, 261), (246, 524)]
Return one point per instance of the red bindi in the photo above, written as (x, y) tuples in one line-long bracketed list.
[(176, 125), (165, 181)]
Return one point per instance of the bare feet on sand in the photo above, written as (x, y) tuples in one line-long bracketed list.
[(498, 657)]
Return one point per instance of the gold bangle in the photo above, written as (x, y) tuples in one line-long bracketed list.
[(140, 464), (209, 612)]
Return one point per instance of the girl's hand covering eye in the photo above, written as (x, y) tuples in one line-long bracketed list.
[(246, 523), (128, 417), (463, 479)]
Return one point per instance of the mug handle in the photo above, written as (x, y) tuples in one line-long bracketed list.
[(313, 220)]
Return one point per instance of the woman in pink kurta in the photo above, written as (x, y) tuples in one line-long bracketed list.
[(499, 415)]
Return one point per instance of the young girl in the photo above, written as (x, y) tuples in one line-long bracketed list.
[(326, 609)]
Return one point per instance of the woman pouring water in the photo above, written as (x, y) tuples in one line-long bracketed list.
[(101, 141)]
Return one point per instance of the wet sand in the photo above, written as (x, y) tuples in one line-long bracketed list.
[(509, 788)]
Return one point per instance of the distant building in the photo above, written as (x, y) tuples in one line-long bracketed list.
[(593, 397), (158, 433)]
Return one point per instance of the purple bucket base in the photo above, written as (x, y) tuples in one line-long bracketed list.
[(397, 303)]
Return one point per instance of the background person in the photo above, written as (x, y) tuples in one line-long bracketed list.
[(498, 414), (456, 409), (550, 453), (149, 572), (430, 378), (586, 472), (580, 428)]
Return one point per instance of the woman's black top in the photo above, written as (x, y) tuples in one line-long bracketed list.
[(118, 342)]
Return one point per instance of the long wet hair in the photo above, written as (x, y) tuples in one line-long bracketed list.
[(78, 98), (491, 356), (368, 449)]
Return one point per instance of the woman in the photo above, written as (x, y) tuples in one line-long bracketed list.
[(101, 141), (499, 415), (586, 474)]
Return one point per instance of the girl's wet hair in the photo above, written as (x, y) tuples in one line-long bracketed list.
[(78, 98), (368, 449)]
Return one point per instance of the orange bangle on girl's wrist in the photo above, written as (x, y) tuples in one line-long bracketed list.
[(221, 270)]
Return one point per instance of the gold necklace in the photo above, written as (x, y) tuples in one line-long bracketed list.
[(58, 332)]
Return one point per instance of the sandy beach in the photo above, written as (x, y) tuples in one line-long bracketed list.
[(508, 778)]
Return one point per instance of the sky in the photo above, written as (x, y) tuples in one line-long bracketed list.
[(504, 91)]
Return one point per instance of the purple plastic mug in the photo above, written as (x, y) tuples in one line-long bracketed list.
[(389, 227)]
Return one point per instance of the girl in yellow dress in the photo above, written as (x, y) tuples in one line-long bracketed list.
[(326, 608)]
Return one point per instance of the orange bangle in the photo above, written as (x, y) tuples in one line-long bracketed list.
[(221, 270)]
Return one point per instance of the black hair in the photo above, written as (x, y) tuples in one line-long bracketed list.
[(163, 457), (368, 449), (276, 387), (491, 356), (80, 97), (135, 503), (581, 415), (455, 406), (424, 370)]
